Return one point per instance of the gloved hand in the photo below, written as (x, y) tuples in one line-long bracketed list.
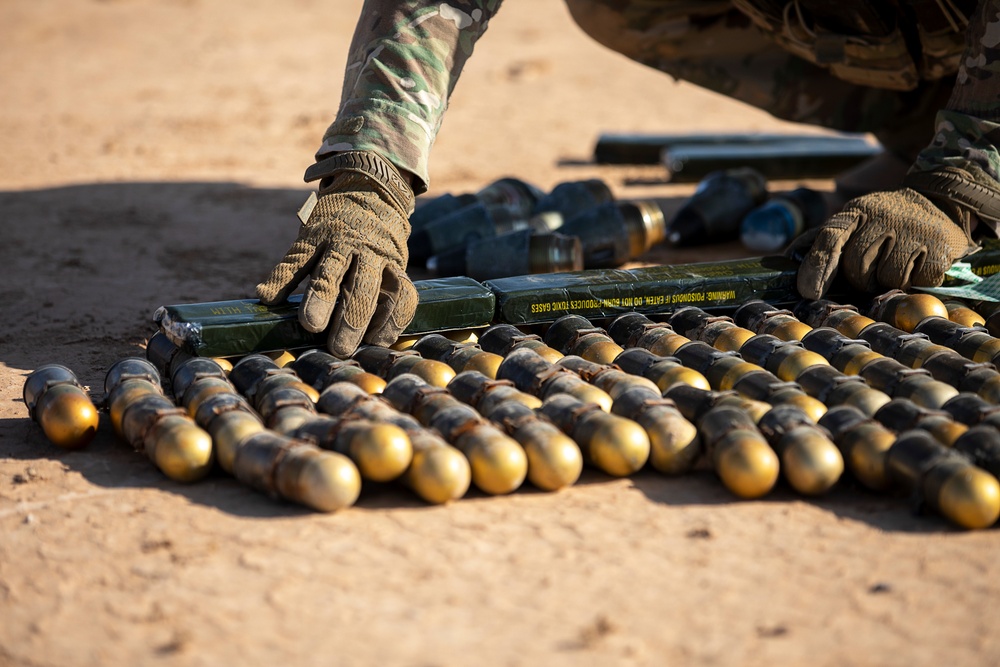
[(352, 245), (886, 240)]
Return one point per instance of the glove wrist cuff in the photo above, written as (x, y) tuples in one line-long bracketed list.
[(370, 164), (958, 188)]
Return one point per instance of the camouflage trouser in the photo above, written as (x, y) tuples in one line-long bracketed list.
[(714, 46)]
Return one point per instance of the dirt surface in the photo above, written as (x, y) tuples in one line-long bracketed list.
[(152, 154)]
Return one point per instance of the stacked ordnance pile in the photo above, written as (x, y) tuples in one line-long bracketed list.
[(904, 400)]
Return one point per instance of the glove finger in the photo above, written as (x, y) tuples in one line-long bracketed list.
[(819, 267), (288, 273), (358, 299), (870, 255), (321, 295), (397, 304)]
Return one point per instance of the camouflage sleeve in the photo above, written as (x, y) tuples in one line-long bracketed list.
[(968, 129), (405, 59)]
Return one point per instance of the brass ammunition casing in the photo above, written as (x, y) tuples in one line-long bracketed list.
[(459, 356), (194, 370), (180, 448), (944, 480), (902, 415), (286, 468), (924, 391), (438, 472), (968, 496), (252, 371), (198, 392), (611, 380), (381, 452), (228, 430), (531, 373), (282, 397), (787, 330), (573, 334), (499, 464), (554, 459), (435, 373), (57, 402), (812, 407), (278, 381), (745, 463), (691, 321), (141, 413), (224, 363), (906, 311), (67, 416), (811, 462), (960, 313), (728, 371), (915, 353), (663, 371), (502, 339), (289, 418), (754, 409), (731, 339), (125, 394), (791, 362), (131, 368), (281, 358), (851, 325), (616, 445), (483, 362), (152, 423), (486, 394), (674, 445), (853, 359), (863, 442), (323, 481), (319, 370), (860, 396)]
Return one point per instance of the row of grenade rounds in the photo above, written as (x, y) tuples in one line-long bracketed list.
[(755, 398)]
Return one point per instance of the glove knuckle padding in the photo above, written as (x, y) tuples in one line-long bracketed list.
[(919, 242), (900, 239)]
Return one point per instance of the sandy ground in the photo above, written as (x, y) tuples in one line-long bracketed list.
[(152, 153)]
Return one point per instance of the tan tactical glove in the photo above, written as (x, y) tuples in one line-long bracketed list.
[(893, 240), (352, 245)]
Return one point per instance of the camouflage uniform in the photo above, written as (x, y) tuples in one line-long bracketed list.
[(407, 55)]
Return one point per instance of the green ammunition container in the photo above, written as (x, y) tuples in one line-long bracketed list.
[(245, 326), (651, 290)]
